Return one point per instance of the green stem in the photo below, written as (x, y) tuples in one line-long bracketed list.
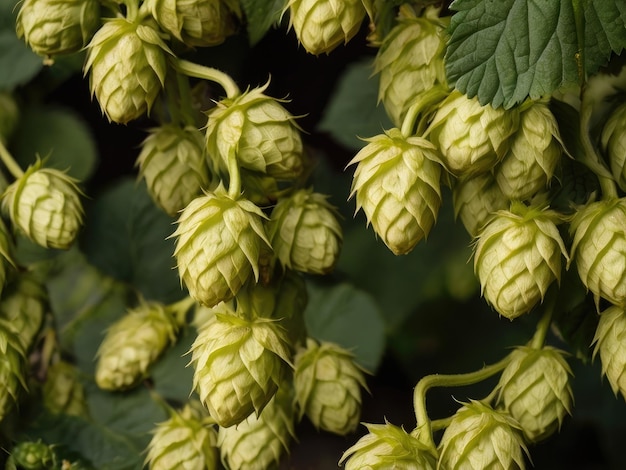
[(179, 310), (424, 101), (192, 69), (539, 338), (234, 175), (132, 10), (10, 162), (184, 92)]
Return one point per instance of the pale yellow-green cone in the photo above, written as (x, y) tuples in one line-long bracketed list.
[(174, 165), (536, 149), (45, 205), (323, 25), (57, 27), (396, 183), (476, 199), (259, 442), (32, 455), (471, 138), (218, 245), (259, 132), (535, 390), (305, 232), (7, 249), (328, 385), (183, 441), (126, 63), (599, 248), (614, 144), (13, 368), (63, 392), (386, 446), (196, 23), (238, 364), (410, 61), (24, 304), (132, 344), (9, 115), (479, 437), (610, 344), (517, 256)]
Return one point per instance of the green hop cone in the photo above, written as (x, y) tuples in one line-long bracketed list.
[(479, 437), (323, 25), (387, 446), (471, 138), (7, 249), (63, 391), (536, 149), (183, 441), (599, 248), (13, 368), (614, 144), (410, 61), (45, 204), (305, 233), (132, 344), (396, 183), (32, 455), (476, 199), (517, 257), (173, 163), (535, 390), (126, 62), (259, 132), (610, 344), (218, 245), (9, 116), (196, 23), (57, 27), (328, 386), (259, 442), (238, 364)]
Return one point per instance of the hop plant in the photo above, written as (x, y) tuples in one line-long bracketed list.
[(471, 138), (57, 27), (517, 257), (328, 385), (387, 446), (218, 244), (599, 248), (6, 254), (63, 391), (31, 455), (44, 203), (323, 25), (238, 364), (610, 345), (13, 367), (480, 437), (9, 116), (132, 344), (305, 233), (184, 440), (173, 163), (535, 390), (126, 63), (396, 183), (613, 142)]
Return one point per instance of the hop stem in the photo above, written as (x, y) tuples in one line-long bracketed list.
[(179, 310), (208, 73), (10, 162), (544, 323), (424, 101)]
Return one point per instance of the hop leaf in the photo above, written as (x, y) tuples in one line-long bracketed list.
[(610, 344), (396, 183), (13, 367), (614, 144)]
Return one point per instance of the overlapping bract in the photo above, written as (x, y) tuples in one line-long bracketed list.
[(614, 144), (610, 345), (13, 368)]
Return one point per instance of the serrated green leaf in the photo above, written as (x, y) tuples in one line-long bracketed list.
[(605, 32), (261, 15)]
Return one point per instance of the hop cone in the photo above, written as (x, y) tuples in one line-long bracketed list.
[(183, 441), (517, 256), (173, 163), (132, 344), (535, 390), (9, 116), (126, 62), (56, 27), (305, 233), (6, 254), (471, 138), (599, 248), (32, 455), (387, 446), (476, 200), (480, 437), (322, 25), (13, 365), (259, 442), (218, 246), (63, 392), (396, 183), (44, 203), (410, 61), (238, 364), (614, 144), (610, 344), (259, 131), (328, 387), (196, 23)]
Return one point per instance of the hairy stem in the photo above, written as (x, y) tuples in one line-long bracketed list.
[(192, 69)]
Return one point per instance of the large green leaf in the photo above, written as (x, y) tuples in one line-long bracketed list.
[(261, 15)]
